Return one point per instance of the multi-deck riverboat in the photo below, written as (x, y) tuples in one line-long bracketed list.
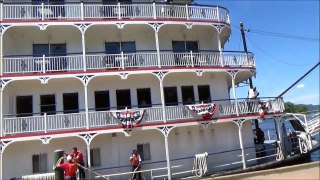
[(112, 76)]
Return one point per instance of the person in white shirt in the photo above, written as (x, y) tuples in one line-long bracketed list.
[(252, 95)]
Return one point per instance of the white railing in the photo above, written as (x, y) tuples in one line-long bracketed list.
[(66, 121), (84, 10), (23, 124), (45, 176), (177, 112), (153, 114), (42, 64), (122, 61), (46, 123), (101, 118)]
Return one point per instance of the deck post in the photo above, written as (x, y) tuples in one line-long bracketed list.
[(83, 51), (239, 124), (86, 105), (1, 165), (220, 49), (162, 102), (158, 49), (89, 159), (1, 113), (235, 96), (1, 10), (167, 155), (1, 54)]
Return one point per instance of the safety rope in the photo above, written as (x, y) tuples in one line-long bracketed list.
[(100, 176), (200, 164)]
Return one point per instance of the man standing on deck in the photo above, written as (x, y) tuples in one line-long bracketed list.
[(70, 168), (77, 156), (135, 161), (252, 95)]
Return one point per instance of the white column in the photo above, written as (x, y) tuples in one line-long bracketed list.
[(220, 49), (1, 166), (1, 113), (163, 102), (86, 105), (235, 96), (1, 54), (242, 149), (88, 161), (84, 51), (158, 48), (167, 155), (89, 156)]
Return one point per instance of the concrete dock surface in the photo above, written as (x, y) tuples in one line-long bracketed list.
[(300, 171)]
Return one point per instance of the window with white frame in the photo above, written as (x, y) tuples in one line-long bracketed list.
[(39, 163), (144, 151), (95, 157)]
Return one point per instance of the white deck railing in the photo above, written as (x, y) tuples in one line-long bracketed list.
[(48, 123), (71, 11), (45, 64)]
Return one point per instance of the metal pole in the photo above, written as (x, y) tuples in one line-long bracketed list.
[(167, 156), (285, 91), (245, 49)]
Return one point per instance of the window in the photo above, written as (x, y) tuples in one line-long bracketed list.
[(70, 103), (187, 95), (204, 93), (144, 151), (144, 98), (39, 163), (49, 50), (170, 96), (102, 100), (123, 99), (24, 106), (117, 47), (185, 46), (95, 157), (48, 104)]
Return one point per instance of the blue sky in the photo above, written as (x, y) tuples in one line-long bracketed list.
[(279, 61)]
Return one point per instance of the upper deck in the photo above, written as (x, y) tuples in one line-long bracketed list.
[(79, 11)]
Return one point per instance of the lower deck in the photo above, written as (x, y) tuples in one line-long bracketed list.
[(109, 152)]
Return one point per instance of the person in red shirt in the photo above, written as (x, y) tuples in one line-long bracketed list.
[(70, 168), (135, 161), (77, 156)]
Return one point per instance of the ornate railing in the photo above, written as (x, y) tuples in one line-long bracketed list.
[(27, 64), (70, 11), (59, 122)]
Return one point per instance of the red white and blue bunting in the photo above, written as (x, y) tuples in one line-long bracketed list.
[(205, 111), (127, 118)]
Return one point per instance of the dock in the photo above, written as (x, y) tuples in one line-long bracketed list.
[(300, 171)]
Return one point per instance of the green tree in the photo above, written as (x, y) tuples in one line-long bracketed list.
[(292, 108)]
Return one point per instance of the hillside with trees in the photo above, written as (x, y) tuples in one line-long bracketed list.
[(299, 108)]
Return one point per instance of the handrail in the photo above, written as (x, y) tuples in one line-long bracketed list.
[(103, 52), (115, 108), (47, 11)]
